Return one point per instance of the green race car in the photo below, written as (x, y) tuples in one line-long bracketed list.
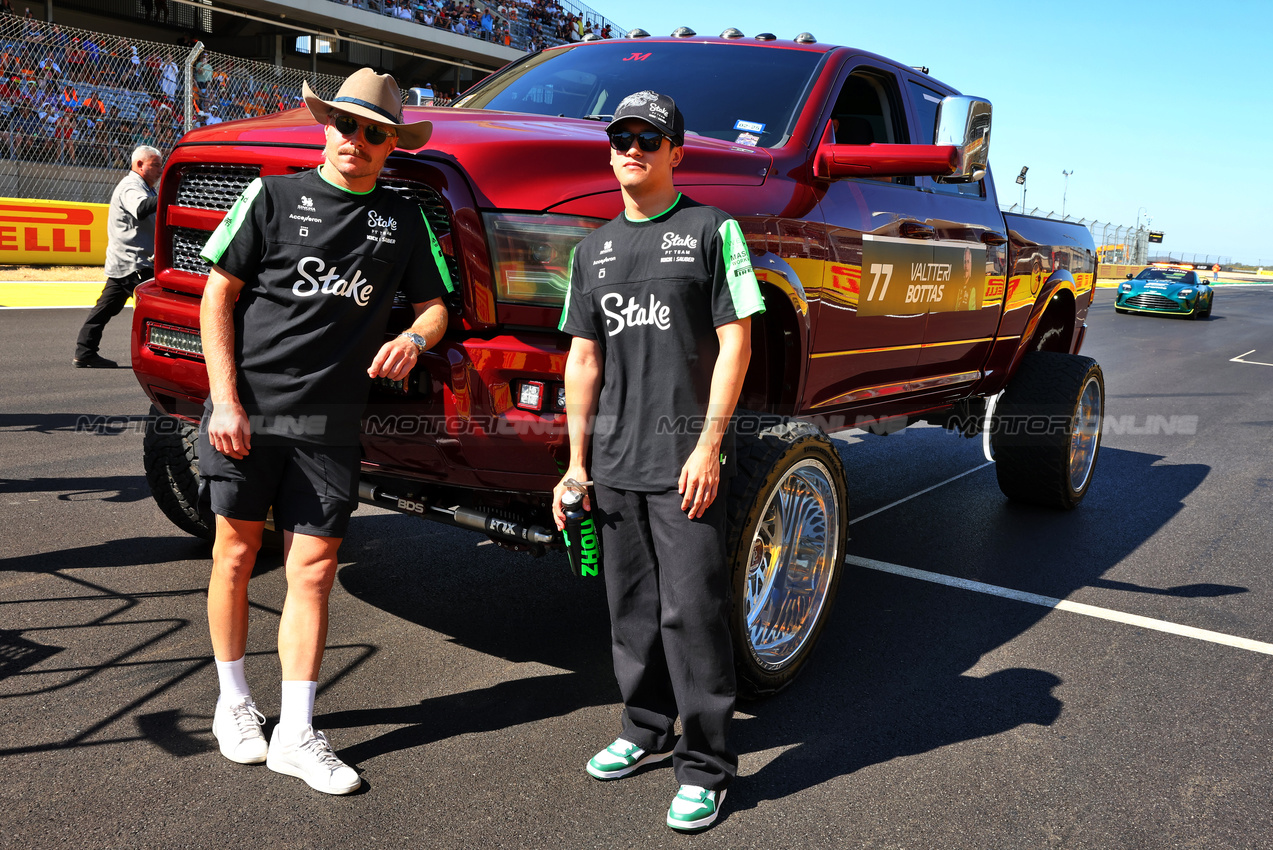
[(1165, 289)]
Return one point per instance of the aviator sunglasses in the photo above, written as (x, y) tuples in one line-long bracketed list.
[(647, 140), (347, 126)]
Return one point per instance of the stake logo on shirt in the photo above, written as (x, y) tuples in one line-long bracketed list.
[(677, 248), (334, 282), (655, 313), (380, 227)]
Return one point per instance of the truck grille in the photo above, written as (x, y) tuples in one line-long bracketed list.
[(1152, 301), (435, 212), (214, 187), (186, 245)]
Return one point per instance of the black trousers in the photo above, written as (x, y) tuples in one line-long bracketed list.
[(669, 591), (114, 295)]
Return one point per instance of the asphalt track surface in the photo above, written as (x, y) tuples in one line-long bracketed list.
[(470, 685)]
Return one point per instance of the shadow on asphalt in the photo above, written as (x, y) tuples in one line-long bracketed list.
[(117, 488), (890, 676)]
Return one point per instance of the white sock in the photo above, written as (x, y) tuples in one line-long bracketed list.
[(234, 683), (296, 711)]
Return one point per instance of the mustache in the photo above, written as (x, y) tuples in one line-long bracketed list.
[(350, 150)]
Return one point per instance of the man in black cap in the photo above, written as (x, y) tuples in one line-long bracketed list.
[(304, 271), (659, 306)]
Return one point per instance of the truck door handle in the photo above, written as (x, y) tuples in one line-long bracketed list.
[(990, 237), (918, 230)]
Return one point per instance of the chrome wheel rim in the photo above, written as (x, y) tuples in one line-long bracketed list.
[(1085, 439), (793, 558)]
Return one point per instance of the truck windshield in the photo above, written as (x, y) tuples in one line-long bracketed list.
[(733, 92)]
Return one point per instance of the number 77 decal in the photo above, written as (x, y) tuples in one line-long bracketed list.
[(878, 269)]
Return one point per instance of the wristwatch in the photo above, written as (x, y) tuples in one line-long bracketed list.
[(420, 343)]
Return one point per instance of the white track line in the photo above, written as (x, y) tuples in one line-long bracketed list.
[(1239, 359), (1065, 605), (58, 307), (920, 493)]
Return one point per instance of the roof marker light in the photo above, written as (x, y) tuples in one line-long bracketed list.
[(683, 32), (732, 32), (806, 38), (638, 33), (766, 36)]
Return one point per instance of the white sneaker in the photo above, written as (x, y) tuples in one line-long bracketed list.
[(312, 760), (237, 728)]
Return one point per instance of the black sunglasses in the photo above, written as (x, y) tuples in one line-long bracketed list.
[(347, 126), (648, 140)]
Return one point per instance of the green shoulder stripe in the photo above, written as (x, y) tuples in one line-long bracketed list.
[(221, 238), (743, 288), (438, 257), (570, 273)]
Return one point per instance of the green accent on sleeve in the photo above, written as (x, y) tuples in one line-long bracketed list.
[(221, 238), (570, 276), (743, 288), (438, 257)]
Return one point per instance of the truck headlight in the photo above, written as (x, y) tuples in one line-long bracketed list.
[(530, 254)]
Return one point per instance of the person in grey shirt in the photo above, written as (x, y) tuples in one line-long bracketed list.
[(130, 245)]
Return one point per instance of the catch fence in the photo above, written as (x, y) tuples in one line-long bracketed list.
[(75, 103), (1116, 244)]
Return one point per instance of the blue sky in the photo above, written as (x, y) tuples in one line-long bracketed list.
[(1164, 105)]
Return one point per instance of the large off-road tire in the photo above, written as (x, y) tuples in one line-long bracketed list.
[(171, 458), (1047, 429), (788, 525)]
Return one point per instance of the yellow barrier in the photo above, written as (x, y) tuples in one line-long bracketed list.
[(57, 233), (1117, 271)]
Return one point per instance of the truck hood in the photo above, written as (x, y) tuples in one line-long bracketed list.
[(514, 161)]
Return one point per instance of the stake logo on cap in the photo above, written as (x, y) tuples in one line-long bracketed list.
[(657, 110)]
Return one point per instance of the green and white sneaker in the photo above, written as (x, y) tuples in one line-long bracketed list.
[(694, 808), (621, 758)]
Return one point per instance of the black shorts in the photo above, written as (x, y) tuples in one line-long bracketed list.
[(313, 489)]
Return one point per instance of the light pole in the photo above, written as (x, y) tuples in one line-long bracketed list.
[(1140, 258), (1021, 180), (1066, 191)]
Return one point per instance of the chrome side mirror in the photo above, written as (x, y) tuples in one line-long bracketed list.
[(964, 122)]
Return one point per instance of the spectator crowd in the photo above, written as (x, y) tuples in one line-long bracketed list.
[(78, 98), (524, 24), (75, 97)]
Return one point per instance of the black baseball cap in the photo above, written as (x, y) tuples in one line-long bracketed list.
[(655, 109)]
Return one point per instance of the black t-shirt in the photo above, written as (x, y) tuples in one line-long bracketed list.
[(320, 267), (652, 294)]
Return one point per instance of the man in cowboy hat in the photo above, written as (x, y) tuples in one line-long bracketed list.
[(304, 271)]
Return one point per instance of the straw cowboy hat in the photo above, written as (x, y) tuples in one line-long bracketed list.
[(374, 97)]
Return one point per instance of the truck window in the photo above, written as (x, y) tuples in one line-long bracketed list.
[(742, 94), (869, 110), (926, 103)]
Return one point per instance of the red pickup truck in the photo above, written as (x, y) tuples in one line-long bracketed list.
[(896, 291)]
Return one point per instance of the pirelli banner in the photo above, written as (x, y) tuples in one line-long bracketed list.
[(902, 277), (53, 233)]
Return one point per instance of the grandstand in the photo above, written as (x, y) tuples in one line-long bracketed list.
[(83, 82)]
